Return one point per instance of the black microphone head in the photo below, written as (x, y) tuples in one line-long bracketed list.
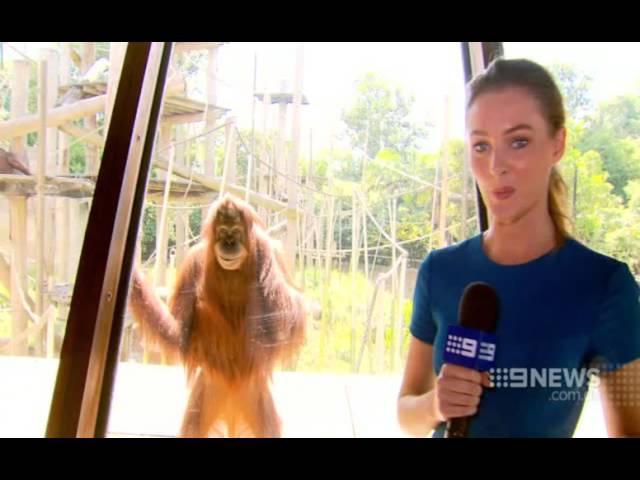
[(479, 307)]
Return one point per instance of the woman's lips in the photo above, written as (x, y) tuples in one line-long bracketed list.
[(503, 193)]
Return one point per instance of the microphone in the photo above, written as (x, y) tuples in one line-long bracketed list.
[(472, 342)]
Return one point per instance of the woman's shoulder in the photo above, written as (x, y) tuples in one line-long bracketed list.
[(593, 261), (597, 272), (461, 252)]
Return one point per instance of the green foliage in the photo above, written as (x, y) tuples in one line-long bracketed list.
[(379, 118), (575, 87), (614, 132), (77, 160), (148, 232), (330, 337)]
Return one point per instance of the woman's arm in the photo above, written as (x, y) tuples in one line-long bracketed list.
[(416, 412), (425, 400), (622, 413)]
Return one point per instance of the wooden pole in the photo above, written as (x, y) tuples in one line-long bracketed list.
[(91, 151), (465, 193), (309, 207), (181, 226), (292, 170), (179, 159), (329, 240), (444, 192), (380, 324), (279, 160), (227, 169), (40, 200), (63, 205), (162, 230), (210, 122), (52, 220), (116, 58), (251, 157), (263, 180), (210, 163), (394, 277), (355, 242), (400, 315), (339, 245), (365, 235), (233, 156), (434, 205)]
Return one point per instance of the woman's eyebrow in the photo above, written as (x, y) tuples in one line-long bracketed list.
[(520, 126), (479, 132)]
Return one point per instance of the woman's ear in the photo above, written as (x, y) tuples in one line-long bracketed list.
[(560, 144)]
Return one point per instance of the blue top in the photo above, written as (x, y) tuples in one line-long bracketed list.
[(560, 315)]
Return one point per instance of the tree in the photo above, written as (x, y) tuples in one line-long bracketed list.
[(379, 118), (614, 132), (575, 87), (598, 210), (621, 116), (624, 242)]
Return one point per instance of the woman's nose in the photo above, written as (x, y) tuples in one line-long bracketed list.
[(498, 165)]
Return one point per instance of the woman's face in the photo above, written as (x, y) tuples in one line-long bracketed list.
[(512, 152)]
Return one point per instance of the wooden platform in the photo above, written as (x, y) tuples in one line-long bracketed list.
[(23, 185), (81, 186), (148, 401)]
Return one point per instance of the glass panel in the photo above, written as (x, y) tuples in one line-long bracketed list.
[(348, 152)]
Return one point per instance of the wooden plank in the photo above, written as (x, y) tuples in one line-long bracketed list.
[(175, 119), (215, 184), (18, 185), (91, 138), (29, 123)]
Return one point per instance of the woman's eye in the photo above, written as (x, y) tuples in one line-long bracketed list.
[(480, 147), (520, 143)]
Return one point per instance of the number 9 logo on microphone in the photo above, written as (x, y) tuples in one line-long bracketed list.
[(470, 348)]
